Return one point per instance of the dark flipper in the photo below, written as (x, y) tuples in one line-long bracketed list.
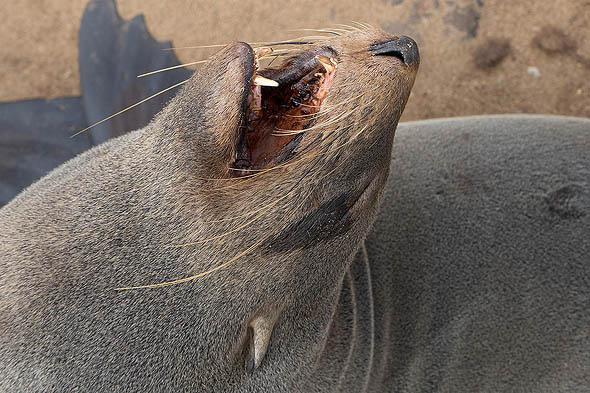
[(34, 134), (112, 53)]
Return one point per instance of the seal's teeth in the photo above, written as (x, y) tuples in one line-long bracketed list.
[(328, 63), (262, 81), (263, 51)]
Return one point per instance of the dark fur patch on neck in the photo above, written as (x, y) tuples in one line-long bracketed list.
[(327, 221)]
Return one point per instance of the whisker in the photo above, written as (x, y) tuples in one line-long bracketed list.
[(272, 61), (316, 38), (284, 132), (216, 268), (196, 47), (285, 50), (293, 188), (315, 153), (325, 109), (172, 68), (348, 27), (309, 154), (242, 253), (186, 279), (312, 153), (342, 115), (331, 107), (210, 239), (328, 31), (308, 116), (296, 41), (131, 107), (230, 179), (338, 29), (362, 25)]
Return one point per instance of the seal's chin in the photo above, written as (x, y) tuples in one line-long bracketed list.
[(281, 104)]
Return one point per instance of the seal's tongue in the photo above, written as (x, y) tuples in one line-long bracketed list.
[(278, 110)]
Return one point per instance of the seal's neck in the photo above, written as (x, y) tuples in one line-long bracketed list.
[(334, 346), (348, 357)]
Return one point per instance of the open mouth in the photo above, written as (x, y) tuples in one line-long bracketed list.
[(281, 104)]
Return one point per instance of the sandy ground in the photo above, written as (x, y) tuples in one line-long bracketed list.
[(478, 56)]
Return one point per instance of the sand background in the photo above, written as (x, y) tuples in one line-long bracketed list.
[(478, 56)]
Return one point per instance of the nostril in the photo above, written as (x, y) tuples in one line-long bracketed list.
[(404, 48), (388, 50)]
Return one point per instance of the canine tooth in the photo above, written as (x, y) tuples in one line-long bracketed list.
[(326, 62), (262, 81), (263, 51)]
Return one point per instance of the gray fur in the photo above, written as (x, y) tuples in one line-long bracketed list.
[(480, 256), (145, 208), (474, 276)]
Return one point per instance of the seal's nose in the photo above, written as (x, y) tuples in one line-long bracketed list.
[(404, 48)]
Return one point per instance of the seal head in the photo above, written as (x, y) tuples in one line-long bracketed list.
[(234, 215)]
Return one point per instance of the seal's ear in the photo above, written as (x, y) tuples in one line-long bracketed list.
[(208, 113)]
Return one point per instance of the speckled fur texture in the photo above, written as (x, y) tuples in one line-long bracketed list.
[(161, 204)]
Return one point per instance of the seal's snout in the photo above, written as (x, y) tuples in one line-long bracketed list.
[(404, 48)]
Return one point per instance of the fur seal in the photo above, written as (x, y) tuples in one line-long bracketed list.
[(270, 189)]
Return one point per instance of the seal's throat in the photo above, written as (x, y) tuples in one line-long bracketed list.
[(281, 104)]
